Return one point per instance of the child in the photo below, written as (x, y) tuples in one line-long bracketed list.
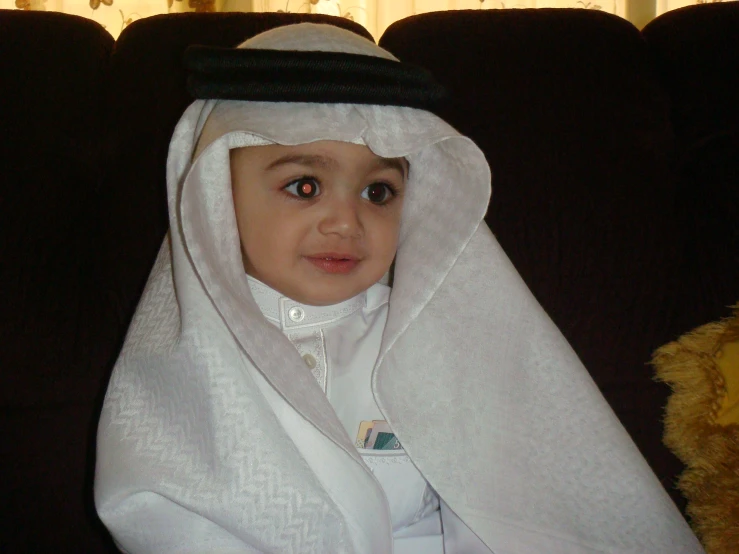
[(274, 394)]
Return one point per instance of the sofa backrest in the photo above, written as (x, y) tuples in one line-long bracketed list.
[(573, 109)]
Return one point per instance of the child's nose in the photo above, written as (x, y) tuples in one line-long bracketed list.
[(341, 218)]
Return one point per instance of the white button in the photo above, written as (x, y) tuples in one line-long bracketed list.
[(296, 314), (309, 360)]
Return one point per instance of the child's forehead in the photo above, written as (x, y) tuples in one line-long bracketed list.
[(326, 155)]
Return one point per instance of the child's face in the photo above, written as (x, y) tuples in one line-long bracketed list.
[(318, 222)]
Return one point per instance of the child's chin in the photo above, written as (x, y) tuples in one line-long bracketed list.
[(328, 297)]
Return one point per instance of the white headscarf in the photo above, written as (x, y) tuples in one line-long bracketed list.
[(486, 396)]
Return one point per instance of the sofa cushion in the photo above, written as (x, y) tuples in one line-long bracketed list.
[(57, 333), (50, 123), (695, 51), (696, 55)]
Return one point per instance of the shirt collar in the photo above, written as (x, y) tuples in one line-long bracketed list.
[(288, 314)]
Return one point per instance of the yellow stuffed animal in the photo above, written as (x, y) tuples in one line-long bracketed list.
[(702, 427)]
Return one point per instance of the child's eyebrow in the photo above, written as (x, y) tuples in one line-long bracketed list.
[(324, 162), (310, 160), (399, 164)]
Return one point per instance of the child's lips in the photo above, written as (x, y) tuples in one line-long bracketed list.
[(334, 262)]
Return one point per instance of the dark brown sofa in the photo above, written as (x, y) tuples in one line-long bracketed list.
[(615, 156)]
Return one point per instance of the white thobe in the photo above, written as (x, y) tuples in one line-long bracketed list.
[(340, 344)]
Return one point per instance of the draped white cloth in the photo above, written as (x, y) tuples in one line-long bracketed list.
[(486, 396)]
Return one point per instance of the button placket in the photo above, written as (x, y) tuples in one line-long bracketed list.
[(311, 347)]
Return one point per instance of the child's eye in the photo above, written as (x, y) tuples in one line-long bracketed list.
[(305, 187), (378, 193)]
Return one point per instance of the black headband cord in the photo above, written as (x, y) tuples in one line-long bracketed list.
[(308, 76)]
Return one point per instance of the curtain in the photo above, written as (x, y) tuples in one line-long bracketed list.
[(375, 15), (667, 5)]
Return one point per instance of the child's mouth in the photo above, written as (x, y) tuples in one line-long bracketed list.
[(330, 263)]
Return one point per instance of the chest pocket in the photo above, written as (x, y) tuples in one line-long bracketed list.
[(409, 496)]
